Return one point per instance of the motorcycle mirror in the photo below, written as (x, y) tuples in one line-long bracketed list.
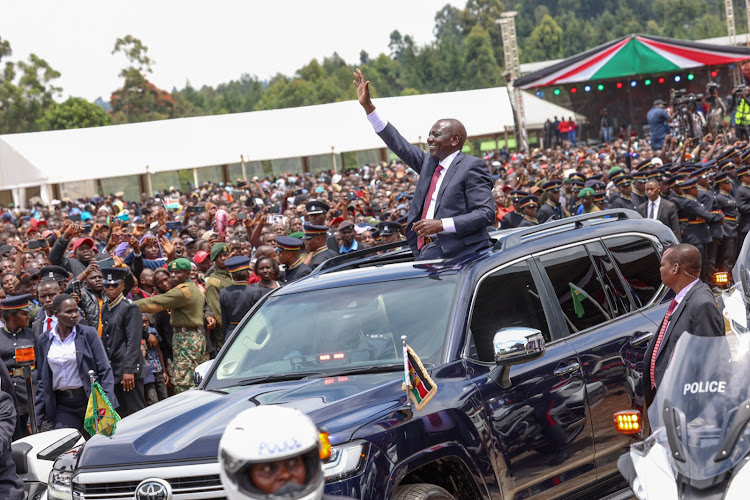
[(745, 281), (628, 421)]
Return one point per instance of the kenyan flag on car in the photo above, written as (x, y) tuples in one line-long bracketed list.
[(417, 382)]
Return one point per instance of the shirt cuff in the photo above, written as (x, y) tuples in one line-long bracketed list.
[(448, 225), (377, 123)]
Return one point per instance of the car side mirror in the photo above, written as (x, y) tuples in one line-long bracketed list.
[(514, 346), (201, 371)]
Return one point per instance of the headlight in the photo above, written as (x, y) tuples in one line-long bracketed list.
[(59, 485), (346, 460)]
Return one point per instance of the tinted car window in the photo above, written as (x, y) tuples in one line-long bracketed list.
[(506, 298), (577, 287), (639, 265), (613, 285)]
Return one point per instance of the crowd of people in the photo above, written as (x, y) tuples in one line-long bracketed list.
[(142, 291)]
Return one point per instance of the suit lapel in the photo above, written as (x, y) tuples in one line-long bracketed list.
[(80, 346), (447, 178), (676, 316), (423, 186)]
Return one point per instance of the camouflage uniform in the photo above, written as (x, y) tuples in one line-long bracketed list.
[(185, 303), (218, 280)]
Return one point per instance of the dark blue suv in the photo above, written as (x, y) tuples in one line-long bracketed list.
[(533, 345)]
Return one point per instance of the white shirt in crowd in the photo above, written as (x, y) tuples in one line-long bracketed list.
[(62, 361)]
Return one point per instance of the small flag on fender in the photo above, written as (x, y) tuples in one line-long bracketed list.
[(100, 417), (417, 382)]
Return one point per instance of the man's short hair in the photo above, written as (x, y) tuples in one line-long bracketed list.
[(687, 256)]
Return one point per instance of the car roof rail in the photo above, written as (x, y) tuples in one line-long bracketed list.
[(380, 254), (575, 222)]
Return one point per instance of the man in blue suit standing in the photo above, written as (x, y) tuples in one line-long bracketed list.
[(452, 205)]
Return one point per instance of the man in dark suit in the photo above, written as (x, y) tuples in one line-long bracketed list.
[(660, 209), (452, 205), (11, 486), (693, 310)]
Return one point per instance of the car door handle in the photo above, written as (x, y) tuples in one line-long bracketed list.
[(646, 337), (567, 369)]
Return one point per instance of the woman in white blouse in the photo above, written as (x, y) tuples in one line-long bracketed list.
[(66, 354)]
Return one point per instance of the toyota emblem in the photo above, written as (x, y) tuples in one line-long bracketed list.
[(153, 489)]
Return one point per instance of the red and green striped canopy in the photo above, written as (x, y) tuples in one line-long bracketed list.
[(633, 55)]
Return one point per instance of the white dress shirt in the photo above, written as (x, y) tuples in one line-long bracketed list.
[(379, 124), (62, 361), (656, 208), (53, 323)]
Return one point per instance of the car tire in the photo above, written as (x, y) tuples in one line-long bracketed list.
[(423, 491)]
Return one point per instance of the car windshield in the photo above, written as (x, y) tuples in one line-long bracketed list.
[(353, 328)]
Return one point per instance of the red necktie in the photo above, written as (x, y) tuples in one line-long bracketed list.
[(657, 344), (49, 324), (433, 184)]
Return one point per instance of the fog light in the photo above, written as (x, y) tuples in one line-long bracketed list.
[(628, 421), (721, 278)]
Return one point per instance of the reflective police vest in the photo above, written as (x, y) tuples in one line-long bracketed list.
[(742, 116)]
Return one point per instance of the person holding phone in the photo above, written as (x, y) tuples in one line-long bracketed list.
[(84, 249)]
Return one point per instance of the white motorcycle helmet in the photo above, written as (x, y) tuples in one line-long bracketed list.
[(267, 440)]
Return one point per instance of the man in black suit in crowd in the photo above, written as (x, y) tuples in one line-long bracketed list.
[(660, 209), (693, 310), (453, 204)]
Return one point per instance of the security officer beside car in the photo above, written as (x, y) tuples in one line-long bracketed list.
[(185, 303), (697, 217), (514, 218), (390, 232), (552, 209), (14, 334), (288, 253), (529, 206), (316, 215), (218, 280), (237, 299), (315, 240), (122, 332), (728, 206), (11, 486)]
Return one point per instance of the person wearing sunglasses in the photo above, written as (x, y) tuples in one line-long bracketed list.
[(122, 330)]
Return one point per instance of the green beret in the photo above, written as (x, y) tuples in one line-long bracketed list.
[(217, 249), (180, 264), (585, 192), (613, 171), (298, 234)]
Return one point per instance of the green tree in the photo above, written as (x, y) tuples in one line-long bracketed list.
[(545, 41), (138, 100), (26, 91), (74, 113), (484, 13), (480, 69)]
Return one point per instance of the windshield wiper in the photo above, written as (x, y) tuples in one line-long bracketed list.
[(391, 367), (275, 377)]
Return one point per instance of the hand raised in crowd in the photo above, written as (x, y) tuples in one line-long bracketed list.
[(138, 230), (363, 91), (72, 230), (167, 246)]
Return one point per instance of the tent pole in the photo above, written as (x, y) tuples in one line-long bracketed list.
[(630, 105), (244, 172), (333, 157), (148, 183)]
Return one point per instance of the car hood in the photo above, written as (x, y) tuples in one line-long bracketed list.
[(189, 426)]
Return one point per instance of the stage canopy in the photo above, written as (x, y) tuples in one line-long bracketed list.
[(633, 55)]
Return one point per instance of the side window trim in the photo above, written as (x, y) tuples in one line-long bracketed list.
[(658, 248), (602, 283), (633, 305), (543, 295)]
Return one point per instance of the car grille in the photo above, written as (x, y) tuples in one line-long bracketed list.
[(193, 487)]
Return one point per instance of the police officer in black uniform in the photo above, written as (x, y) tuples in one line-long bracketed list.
[(514, 218), (727, 205), (122, 332), (237, 299), (698, 217), (16, 333), (11, 486), (552, 209), (529, 206), (288, 251), (624, 184), (316, 214), (315, 240), (638, 194), (574, 188), (390, 231), (707, 198), (742, 197)]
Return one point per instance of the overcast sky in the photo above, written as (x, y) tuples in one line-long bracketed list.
[(205, 42)]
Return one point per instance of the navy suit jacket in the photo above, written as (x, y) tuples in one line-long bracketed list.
[(90, 354), (465, 195), (697, 314)]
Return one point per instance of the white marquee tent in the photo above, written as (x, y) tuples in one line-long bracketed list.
[(43, 159)]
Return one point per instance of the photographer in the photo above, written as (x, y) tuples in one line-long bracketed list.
[(658, 120)]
